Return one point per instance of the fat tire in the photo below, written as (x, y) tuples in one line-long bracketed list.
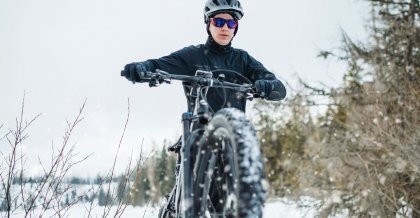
[(229, 168)]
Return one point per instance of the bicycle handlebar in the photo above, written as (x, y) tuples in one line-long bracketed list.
[(159, 76)]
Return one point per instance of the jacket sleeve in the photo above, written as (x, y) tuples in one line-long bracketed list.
[(256, 71), (174, 63)]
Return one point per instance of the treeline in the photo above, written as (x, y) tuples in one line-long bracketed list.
[(74, 180), (153, 178), (362, 156)]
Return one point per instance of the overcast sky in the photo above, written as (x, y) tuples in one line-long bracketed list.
[(62, 52)]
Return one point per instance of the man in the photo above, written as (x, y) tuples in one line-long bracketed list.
[(217, 55)]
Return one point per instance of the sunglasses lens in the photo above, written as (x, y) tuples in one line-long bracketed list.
[(219, 22), (232, 24)]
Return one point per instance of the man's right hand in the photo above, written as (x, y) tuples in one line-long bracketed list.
[(133, 71), (272, 90)]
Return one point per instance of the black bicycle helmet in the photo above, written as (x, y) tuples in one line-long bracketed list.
[(213, 7)]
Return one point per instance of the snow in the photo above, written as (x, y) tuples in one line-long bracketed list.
[(81, 210), (273, 209), (284, 208)]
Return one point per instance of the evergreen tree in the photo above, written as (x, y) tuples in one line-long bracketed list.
[(282, 140), (375, 166), (140, 190), (102, 199), (6, 204), (165, 171), (98, 180), (170, 174), (73, 195), (154, 178), (161, 166), (379, 117), (3, 206), (363, 155), (122, 188), (67, 200)]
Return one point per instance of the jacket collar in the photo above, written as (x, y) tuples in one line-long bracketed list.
[(214, 46)]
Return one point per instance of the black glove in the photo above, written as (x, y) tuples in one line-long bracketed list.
[(263, 88), (134, 71), (270, 89)]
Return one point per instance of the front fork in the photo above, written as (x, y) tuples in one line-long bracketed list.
[(185, 158), (184, 162)]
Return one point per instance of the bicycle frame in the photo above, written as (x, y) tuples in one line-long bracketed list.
[(184, 180), (196, 118)]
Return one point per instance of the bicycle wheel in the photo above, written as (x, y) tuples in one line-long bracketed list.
[(229, 169)]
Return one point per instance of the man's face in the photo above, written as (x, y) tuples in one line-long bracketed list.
[(222, 35)]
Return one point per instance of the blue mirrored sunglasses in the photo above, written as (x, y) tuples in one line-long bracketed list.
[(220, 22)]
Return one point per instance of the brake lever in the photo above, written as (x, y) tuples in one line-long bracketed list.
[(252, 93), (157, 79), (249, 96), (153, 83)]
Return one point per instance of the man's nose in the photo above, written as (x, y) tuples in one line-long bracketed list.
[(225, 27)]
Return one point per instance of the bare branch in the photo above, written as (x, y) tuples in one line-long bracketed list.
[(49, 189), (108, 194)]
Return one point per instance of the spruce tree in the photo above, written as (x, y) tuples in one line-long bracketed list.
[(165, 171), (122, 188), (362, 156), (3, 206), (102, 200), (161, 166), (370, 150), (140, 190)]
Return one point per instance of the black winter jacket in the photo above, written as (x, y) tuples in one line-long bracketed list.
[(210, 57)]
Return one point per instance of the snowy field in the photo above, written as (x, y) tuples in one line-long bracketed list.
[(275, 209), (283, 208), (278, 208)]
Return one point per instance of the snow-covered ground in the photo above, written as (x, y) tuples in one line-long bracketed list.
[(274, 209), (284, 208)]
